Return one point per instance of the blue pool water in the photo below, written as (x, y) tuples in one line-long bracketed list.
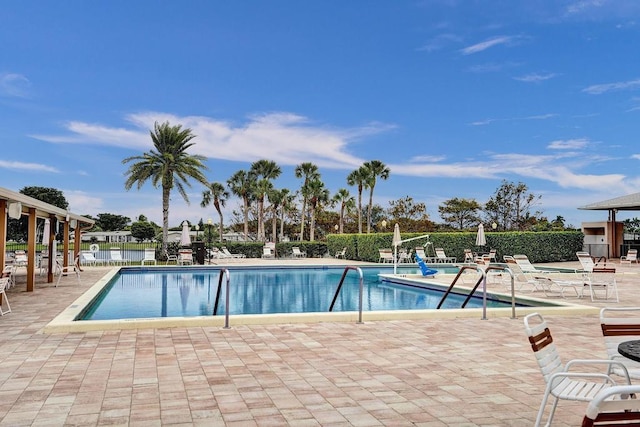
[(143, 293)]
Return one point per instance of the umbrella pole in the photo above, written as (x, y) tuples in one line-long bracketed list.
[(395, 258)]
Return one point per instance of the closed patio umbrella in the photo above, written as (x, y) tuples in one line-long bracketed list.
[(480, 239), (185, 239), (46, 230)]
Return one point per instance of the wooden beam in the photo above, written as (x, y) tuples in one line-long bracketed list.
[(31, 250), (3, 232)]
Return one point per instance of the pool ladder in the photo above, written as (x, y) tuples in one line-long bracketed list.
[(335, 296), (223, 273), (482, 280)]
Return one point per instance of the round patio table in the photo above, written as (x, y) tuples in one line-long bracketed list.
[(630, 349)]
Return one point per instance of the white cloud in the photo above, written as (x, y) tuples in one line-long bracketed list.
[(569, 144), (12, 84), (608, 87), (286, 138), (535, 77), (30, 167), (495, 41), (82, 203), (439, 42), (635, 156)]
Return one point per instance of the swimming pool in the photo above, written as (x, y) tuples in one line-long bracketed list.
[(185, 292)]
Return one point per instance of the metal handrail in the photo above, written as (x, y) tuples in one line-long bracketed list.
[(223, 272), (483, 280), (344, 274)]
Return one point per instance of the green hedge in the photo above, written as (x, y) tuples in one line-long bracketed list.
[(548, 246)]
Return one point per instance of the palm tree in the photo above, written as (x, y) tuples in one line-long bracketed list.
[(167, 165), (276, 198), (358, 178), (218, 194), (309, 172), (346, 201), (265, 171), (241, 184), (375, 169), (286, 206), (317, 195)]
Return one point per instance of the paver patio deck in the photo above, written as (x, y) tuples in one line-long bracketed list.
[(437, 372)]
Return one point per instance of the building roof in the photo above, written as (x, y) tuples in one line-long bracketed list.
[(630, 202), (43, 210)]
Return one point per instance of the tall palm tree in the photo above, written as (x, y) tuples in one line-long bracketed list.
[(275, 198), (309, 172), (287, 205), (218, 194), (265, 171), (346, 201), (358, 178), (317, 195), (375, 169), (241, 184), (168, 165)]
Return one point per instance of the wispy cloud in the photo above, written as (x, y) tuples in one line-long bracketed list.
[(439, 42), (27, 167), (494, 41), (568, 144), (535, 77), (608, 87), (14, 85), (635, 156), (534, 117), (286, 138)]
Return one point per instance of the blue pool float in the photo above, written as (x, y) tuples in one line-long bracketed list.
[(426, 271)]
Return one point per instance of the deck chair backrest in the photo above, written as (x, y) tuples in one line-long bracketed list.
[(115, 254), (149, 254), (585, 261), (420, 252), (542, 345), (615, 406), (621, 324), (440, 253), (524, 263)]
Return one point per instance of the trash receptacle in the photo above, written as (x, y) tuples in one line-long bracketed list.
[(200, 252)]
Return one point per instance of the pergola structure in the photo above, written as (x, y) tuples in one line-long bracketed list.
[(630, 202), (15, 205)]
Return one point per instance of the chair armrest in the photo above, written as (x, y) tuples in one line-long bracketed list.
[(607, 362)]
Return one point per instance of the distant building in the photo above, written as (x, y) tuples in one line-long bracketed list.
[(108, 236)]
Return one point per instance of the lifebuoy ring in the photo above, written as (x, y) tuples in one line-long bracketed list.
[(94, 248)]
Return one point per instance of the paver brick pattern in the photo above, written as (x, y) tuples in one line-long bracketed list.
[(460, 372)]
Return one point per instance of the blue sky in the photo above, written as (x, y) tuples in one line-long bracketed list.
[(454, 96)]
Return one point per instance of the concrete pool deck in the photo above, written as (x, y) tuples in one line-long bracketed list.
[(427, 372)]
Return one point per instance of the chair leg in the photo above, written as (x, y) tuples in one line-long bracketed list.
[(3, 298)]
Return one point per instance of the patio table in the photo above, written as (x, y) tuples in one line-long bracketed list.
[(630, 349)]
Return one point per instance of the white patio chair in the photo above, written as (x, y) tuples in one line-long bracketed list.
[(8, 272), (115, 257), (267, 252), (614, 406), (88, 258), (185, 257), (561, 383), (4, 282), (441, 256), (385, 255), (621, 324), (149, 256), (342, 254), (631, 256), (71, 268)]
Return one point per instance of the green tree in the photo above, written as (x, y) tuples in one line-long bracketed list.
[(218, 195), (410, 216), (460, 213), (168, 165), (49, 195), (375, 169), (265, 171), (242, 184), (309, 172), (346, 202), (111, 222), (358, 178), (317, 195), (143, 230), (510, 206)]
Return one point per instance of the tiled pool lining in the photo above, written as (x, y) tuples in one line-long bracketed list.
[(65, 322)]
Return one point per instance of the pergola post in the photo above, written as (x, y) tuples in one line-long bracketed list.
[(31, 250)]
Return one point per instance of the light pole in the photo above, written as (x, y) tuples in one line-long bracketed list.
[(210, 223)]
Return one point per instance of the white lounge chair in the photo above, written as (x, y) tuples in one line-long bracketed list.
[(297, 253), (342, 254), (561, 381), (228, 254), (385, 255), (149, 256), (267, 252), (631, 256), (4, 284), (621, 324), (115, 257), (88, 258), (442, 257), (600, 280)]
